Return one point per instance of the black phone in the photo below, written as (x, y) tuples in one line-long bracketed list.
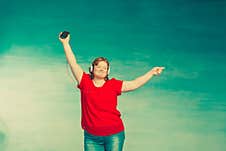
[(64, 34)]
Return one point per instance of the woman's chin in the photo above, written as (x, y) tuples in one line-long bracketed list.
[(100, 76)]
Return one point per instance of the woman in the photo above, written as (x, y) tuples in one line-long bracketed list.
[(103, 127)]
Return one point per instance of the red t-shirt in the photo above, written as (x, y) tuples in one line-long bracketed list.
[(99, 106)]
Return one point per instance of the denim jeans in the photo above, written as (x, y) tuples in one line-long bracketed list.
[(104, 143)]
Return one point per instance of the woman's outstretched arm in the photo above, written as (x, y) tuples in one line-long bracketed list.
[(138, 82), (71, 59)]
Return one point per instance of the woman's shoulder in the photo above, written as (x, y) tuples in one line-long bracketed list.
[(86, 76), (114, 80), (86, 80)]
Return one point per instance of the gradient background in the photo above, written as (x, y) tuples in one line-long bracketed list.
[(183, 109)]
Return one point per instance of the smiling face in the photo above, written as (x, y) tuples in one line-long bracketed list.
[(100, 70)]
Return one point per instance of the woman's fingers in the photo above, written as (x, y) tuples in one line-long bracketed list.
[(64, 40), (158, 70), (59, 35)]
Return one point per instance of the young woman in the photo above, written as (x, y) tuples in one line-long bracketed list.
[(101, 122)]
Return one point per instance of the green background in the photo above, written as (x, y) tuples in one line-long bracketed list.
[(183, 109)]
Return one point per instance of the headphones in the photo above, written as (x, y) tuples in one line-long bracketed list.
[(91, 68)]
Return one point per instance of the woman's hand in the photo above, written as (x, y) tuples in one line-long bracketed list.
[(66, 40), (157, 70)]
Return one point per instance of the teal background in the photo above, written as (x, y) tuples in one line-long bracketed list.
[(183, 109)]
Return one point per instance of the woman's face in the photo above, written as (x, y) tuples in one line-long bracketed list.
[(101, 69)]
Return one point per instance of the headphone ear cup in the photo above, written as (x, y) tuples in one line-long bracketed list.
[(91, 68), (109, 70)]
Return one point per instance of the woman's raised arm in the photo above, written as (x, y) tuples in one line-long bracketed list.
[(71, 59)]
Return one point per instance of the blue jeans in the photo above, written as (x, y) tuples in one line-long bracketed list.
[(104, 143)]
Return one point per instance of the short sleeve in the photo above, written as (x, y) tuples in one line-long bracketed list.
[(84, 79), (117, 84)]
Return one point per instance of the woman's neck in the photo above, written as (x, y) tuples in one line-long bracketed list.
[(98, 82)]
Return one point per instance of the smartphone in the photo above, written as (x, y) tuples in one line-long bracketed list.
[(64, 34)]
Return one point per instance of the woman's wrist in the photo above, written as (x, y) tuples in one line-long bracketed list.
[(65, 43)]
